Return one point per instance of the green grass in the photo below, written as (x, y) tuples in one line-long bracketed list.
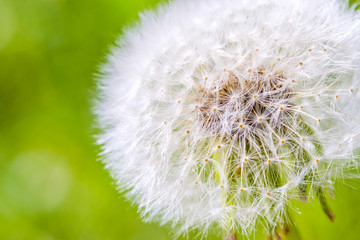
[(51, 184)]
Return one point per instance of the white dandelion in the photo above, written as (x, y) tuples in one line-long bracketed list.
[(215, 114)]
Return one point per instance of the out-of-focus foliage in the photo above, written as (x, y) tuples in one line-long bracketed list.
[(51, 184)]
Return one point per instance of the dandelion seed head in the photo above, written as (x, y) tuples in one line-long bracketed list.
[(220, 96)]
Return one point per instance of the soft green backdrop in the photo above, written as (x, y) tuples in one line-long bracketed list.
[(51, 184)]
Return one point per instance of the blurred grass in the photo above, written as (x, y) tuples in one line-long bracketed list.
[(51, 184)]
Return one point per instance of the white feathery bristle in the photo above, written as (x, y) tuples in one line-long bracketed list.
[(217, 113)]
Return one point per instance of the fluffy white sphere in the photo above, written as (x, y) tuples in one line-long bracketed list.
[(217, 113)]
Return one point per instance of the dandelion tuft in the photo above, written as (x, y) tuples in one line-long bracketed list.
[(217, 114)]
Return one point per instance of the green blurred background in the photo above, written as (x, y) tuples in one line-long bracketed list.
[(52, 185)]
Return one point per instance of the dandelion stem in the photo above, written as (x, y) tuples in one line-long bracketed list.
[(230, 236)]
